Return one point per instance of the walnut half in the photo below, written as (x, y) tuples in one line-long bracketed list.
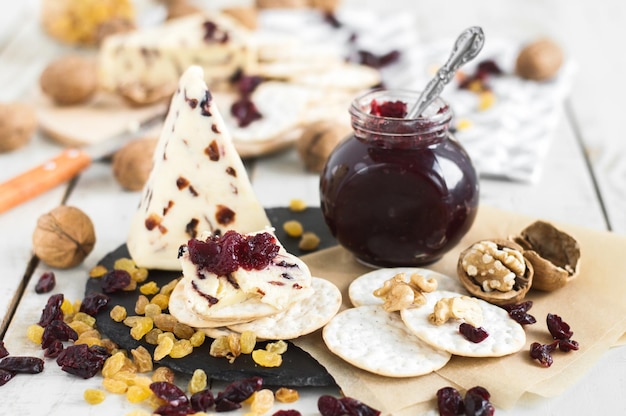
[(495, 271)]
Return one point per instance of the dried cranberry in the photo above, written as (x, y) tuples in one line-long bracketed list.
[(202, 401), (115, 280), (5, 376), (288, 412), (240, 390), (3, 350), (93, 302), (331, 406), (29, 365), (477, 403), (246, 84), (489, 67), (378, 61), (558, 328), (331, 19), (358, 408), (169, 392), (52, 311), (224, 254), (567, 345), (45, 283), (245, 111), (450, 402), (473, 334), (225, 405), (394, 109), (54, 350), (519, 312), (81, 360), (542, 353), (57, 330), (172, 410)]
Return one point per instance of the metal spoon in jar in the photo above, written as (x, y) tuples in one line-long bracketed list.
[(466, 47)]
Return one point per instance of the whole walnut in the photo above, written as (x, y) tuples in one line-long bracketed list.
[(539, 60), (318, 140), (133, 162), (63, 237), (69, 80), (18, 123)]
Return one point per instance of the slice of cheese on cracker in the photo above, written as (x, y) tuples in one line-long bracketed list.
[(198, 182)]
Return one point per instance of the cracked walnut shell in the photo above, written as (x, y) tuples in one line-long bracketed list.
[(495, 271), (554, 255), (63, 237)]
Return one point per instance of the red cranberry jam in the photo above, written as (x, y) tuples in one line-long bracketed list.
[(398, 191)]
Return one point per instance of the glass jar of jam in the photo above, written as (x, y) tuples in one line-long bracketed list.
[(398, 191)]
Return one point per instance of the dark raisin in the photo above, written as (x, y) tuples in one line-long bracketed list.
[(450, 402), (287, 412), (542, 353), (558, 328), (54, 350), (115, 280), (567, 345), (45, 283), (19, 364), (245, 112), (52, 311), (477, 403), (93, 302), (202, 401), (240, 390), (57, 330), (473, 334), (519, 312), (5, 376), (394, 109), (3, 350), (331, 406), (81, 360)]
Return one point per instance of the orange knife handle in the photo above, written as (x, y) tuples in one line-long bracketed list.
[(42, 178)]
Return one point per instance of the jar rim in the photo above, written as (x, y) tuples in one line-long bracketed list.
[(362, 102)]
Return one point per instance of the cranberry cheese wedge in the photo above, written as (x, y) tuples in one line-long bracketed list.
[(198, 182), (237, 277)]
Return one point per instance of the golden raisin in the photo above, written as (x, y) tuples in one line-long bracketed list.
[(114, 386), (67, 308), (309, 241), (278, 347), (113, 364), (266, 358), (183, 331), (247, 341), (163, 374), (198, 381), (98, 271), (219, 347), (168, 288), (141, 328), (163, 348), (262, 401), (34, 333), (287, 395), (137, 393), (293, 228), (79, 327), (83, 317), (89, 341), (197, 338), (142, 359), (181, 348), (150, 288), (234, 345), (118, 313), (139, 275), (152, 337), (161, 300), (94, 396), (152, 310), (124, 263), (165, 322), (297, 205), (131, 321)]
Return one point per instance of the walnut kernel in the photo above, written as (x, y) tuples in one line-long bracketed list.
[(539, 60), (317, 142), (133, 162), (63, 237), (18, 122), (401, 293), (69, 80), (460, 307)]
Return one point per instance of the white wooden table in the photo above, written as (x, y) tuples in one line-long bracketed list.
[(583, 183)]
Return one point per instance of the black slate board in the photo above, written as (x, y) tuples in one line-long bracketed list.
[(298, 368)]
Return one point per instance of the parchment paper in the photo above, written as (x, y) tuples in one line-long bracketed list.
[(593, 305)]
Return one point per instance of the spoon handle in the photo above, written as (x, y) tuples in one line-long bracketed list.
[(466, 47)]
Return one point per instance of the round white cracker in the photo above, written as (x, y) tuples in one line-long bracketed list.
[(361, 290), (181, 307), (301, 318), (505, 335), (377, 341)]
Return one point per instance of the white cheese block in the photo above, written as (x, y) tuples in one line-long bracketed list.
[(198, 182), (145, 65)]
